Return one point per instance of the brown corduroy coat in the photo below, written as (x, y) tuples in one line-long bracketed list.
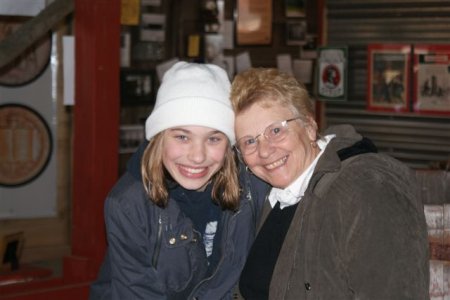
[(359, 232)]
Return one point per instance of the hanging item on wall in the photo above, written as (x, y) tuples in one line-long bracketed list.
[(153, 28), (388, 69), (31, 63), (332, 73), (296, 32), (130, 11), (210, 16), (294, 8), (431, 87), (25, 144), (254, 22), (137, 86)]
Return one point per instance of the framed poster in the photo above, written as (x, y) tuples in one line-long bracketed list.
[(332, 73), (431, 79), (137, 86), (25, 144), (254, 22), (31, 63), (388, 73)]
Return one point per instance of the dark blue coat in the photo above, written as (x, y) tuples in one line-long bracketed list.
[(154, 253)]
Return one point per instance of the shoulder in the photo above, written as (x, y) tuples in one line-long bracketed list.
[(373, 168), (128, 200), (374, 180)]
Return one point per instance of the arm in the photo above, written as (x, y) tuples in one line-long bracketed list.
[(383, 238), (132, 275)]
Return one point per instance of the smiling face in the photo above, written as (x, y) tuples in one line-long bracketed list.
[(279, 163), (193, 154)]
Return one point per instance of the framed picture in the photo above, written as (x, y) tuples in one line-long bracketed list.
[(11, 247), (431, 79), (332, 73), (137, 86), (296, 32), (388, 80), (254, 22)]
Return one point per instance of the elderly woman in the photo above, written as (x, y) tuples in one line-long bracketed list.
[(341, 221)]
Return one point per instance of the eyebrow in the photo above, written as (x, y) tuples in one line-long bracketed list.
[(213, 131)]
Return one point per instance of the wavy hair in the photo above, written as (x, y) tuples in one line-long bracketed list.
[(268, 86)]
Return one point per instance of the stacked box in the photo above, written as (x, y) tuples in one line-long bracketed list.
[(439, 280)]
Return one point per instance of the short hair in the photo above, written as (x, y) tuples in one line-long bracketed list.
[(155, 177), (267, 85)]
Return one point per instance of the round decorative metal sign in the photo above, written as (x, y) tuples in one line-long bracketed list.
[(25, 144), (31, 63)]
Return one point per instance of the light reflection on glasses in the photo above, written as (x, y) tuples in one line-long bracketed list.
[(276, 132)]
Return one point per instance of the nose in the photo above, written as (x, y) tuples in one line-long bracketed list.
[(265, 148), (197, 153)]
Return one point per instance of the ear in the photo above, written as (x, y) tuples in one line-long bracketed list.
[(311, 129)]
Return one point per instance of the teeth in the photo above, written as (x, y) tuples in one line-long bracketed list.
[(276, 163), (193, 171)]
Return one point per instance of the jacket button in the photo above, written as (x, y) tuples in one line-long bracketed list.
[(183, 237), (307, 286), (172, 241)]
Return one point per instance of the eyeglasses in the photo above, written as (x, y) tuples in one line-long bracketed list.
[(276, 132)]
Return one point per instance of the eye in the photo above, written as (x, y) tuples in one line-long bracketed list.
[(249, 141), (181, 137), (215, 139), (275, 130)]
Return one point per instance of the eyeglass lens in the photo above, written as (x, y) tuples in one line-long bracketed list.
[(273, 133)]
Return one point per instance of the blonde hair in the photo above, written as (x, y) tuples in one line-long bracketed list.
[(267, 86), (225, 189)]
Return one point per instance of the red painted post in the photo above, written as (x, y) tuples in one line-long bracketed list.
[(96, 126)]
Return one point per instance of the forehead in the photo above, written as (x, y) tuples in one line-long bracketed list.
[(257, 117)]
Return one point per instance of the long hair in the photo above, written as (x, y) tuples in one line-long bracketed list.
[(225, 189)]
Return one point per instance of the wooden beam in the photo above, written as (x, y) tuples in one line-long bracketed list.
[(30, 32), (96, 125)]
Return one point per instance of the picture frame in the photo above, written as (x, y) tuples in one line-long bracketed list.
[(431, 79), (388, 77), (332, 64), (296, 32), (11, 248), (249, 13), (137, 86)]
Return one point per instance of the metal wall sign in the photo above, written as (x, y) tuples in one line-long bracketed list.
[(25, 144)]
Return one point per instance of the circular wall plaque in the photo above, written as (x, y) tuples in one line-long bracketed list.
[(31, 63), (25, 144)]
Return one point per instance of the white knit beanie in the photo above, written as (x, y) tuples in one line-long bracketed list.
[(193, 94)]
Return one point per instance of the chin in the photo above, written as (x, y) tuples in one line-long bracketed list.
[(193, 186)]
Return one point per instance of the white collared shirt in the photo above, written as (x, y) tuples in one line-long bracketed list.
[(294, 192)]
